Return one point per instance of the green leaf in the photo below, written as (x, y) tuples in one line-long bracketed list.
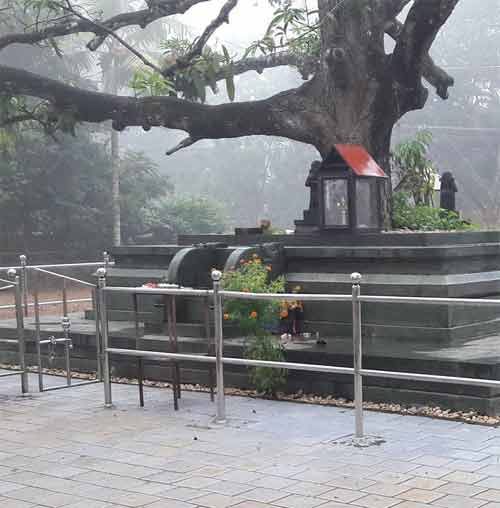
[(226, 54), (199, 86), (231, 89)]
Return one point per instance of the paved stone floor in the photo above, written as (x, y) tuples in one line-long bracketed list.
[(63, 448)]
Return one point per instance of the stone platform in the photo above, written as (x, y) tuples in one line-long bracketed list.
[(433, 264), (475, 358), (63, 449)]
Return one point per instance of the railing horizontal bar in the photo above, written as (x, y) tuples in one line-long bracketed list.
[(309, 367), (9, 341), (56, 341), (159, 355), (159, 291), (430, 301), (233, 361), (12, 373), (66, 277), (240, 295), (62, 265), (8, 282), (72, 385), (53, 302), (10, 286), (431, 378)]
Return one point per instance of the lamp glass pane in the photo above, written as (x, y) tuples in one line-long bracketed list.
[(367, 213), (336, 209)]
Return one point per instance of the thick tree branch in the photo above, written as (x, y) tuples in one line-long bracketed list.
[(197, 47), (393, 8), (157, 10), (435, 75), (421, 27), (425, 19), (290, 114), (306, 65), (115, 36)]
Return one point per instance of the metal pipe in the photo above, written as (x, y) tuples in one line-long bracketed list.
[(64, 277), (68, 345), (24, 282), (101, 274), (159, 291), (12, 373), (36, 284), (45, 304), (74, 385), (53, 340), (219, 346), (160, 355), (60, 265), (140, 365), (64, 298), (357, 354), (9, 341), (431, 301), (243, 362), (20, 331), (8, 281), (430, 378), (4, 288), (106, 259), (95, 308), (210, 345), (240, 295)]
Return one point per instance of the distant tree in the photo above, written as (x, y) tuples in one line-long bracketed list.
[(57, 193), (186, 215)]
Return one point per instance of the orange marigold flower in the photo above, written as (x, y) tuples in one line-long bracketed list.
[(269, 268), (283, 314), (246, 290), (253, 314), (257, 261), (226, 317), (255, 256)]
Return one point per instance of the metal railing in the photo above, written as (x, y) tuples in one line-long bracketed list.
[(15, 283), (26, 272), (22, 306), (218, 295)]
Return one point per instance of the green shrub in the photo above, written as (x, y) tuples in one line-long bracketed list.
[(425, 218), (254, 317), (267, 381)]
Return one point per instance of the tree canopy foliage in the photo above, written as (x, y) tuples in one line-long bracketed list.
[(353, 91)]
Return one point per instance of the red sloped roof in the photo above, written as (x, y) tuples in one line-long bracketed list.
[(361, 162)]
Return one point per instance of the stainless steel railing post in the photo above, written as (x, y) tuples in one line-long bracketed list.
[(65, 298), (66, 325), (24, 282), (357, 354), (20, 330), (219, 347), (36, 302), (98, 343), (101, 274)]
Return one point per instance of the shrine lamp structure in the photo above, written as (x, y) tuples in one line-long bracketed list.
[(347, 193)]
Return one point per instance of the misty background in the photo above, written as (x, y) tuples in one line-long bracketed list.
[(57, 192)]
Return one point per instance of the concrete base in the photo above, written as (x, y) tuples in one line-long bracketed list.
[(433, 265)]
